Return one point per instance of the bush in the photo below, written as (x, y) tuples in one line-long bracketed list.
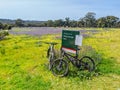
[(3, 34), (7, 27)]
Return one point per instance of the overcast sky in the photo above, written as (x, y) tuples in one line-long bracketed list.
[(57, 9)]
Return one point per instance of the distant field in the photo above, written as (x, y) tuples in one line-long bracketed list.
[(24, 66), (53, 30), (39, 31), (36, 30)]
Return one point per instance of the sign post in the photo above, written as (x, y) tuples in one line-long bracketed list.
[(68, 40)]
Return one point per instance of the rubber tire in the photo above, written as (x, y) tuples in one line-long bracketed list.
[(89, 58), (66, 64)]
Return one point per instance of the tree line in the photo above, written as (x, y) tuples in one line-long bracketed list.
[(89, 20)]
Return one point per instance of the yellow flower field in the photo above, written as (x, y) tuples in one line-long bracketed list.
[(24, 65)]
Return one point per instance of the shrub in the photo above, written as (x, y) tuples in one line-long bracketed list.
[(3, 34)]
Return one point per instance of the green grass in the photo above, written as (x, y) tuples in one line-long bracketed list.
[(24, 66)]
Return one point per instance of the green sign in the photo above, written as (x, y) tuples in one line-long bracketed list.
[(68, 39)]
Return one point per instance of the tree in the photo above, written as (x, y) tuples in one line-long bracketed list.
[(111, 21), (101, 22), (81, 22), (1, 25), (58, 23), (108, 21), (50, 23), (73, 23), (19, 23), (9, 27), (90, 19), (6, 27), (67, 21), (118, 24)]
